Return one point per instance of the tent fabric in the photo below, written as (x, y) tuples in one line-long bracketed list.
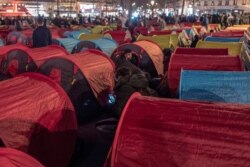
[(105, 45), (141, 30), (169, 133), (219, 86), (87, 77), (221, 39), (76, 34), (234, 48), (99, 29), (87, 37), (4, 50), (118, 36), (199, 62), (16, 37), (14, 158), (68, 43), (201, 51), (1, 42), (18, 61), (149, 54), (165, 32), (228, 34), (37, 117), (164, 41)]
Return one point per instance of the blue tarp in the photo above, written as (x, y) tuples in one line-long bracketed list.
[(106, 45), (229, 87), (68, 43), (221, 39)]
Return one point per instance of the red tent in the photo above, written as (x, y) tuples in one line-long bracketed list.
[(149, 55), (4, 50), (18, 61), (172, 133), (118, 36), (37, 117), (201, 51), (199, 62), (142, 30), (14, 158), (87, 77)]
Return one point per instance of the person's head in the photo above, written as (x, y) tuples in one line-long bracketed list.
[(40, 21)]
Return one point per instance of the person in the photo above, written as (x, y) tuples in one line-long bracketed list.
[(18, 24), (41, 36)]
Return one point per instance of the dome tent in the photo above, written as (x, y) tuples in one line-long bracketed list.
[(105, 45), (149, 54), (234, 48), (11, 158), (169, 133), (39, 120), (215, 86), (221, 39), (199, 62), (201, 51), (87, 77), (18, 61), (68, 43)]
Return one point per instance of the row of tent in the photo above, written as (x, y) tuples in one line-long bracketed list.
[(88, 77)]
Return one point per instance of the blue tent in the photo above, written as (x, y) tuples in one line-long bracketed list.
[(68, 43), (221, 39), (106, 45), (229, 87), (1, 42)]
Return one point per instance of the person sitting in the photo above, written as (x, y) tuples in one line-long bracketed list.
[(41, 36)]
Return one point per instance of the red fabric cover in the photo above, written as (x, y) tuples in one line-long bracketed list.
[(172, 133), (37, 117), (191, 24), (228, 34), (36, 55), (201, 51), (97, 68), (199, 62), (142, 30), (14, 158), (5, 49), (118, 36)]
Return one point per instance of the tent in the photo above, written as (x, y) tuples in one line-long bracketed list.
[(141, 30), (199, 62), (164, 41), (150, 56), (18, 61), (118, 36), (165, 32), (221, 39), (76, 34), (87, 77), (214, 27), (37, 117), (215, 86), (4, 50), (170, 133), (13, 158), (17, 37), (100, 29), (68, 43), (228, 34), (90, 36), (105, 45), (201, 51), (1, 42), (234, 48)]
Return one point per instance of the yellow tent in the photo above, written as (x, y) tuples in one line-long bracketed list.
[(100, 29), (90, 36), (164, 41), (234, 48)]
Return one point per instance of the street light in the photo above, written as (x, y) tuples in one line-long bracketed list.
[(152, 2)]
